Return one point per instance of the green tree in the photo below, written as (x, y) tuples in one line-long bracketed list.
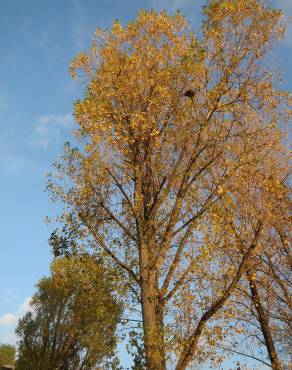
[(73, 318), (7, 354)]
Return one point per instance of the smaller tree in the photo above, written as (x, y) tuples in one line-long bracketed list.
[(73, 318), (7, 354)]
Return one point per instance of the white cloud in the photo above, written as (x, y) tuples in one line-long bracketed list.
[(48, 129), (8, 319), (9, 337), (8, 322), (24, 307)]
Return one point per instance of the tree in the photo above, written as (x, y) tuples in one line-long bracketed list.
[(7, 354), (260, 294), (73, 318), (170, 126), (270, 289), (270, 283)]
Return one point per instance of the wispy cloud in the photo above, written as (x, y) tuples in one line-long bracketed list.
[(174, 5), (11, 318), (80, 33), (48, 129), (8, 319), (8, 322), (24, 307), (285, 5), (14, 164), (7, 297), (4, 99)]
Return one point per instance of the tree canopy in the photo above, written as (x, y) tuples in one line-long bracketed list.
[(73, 318), (7, 354), (180, 175)]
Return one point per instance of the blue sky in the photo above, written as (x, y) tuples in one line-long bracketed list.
[(37, 41)]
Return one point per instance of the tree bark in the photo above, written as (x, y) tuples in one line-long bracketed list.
[(152, 310), (264, 323)]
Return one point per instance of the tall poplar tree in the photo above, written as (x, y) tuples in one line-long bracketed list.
[(172, 129)]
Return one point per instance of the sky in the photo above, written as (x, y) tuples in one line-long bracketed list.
[(37, 41)]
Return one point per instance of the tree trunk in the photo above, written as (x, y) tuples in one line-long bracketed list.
[(152, 310), (264, 322)]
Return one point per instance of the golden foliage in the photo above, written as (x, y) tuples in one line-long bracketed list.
[(182, 169)]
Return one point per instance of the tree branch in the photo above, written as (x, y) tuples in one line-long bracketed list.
[(123, 192), (108, 251), (175, 261), (192, 342), (119, 223), (246, 355), (178, 284)]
